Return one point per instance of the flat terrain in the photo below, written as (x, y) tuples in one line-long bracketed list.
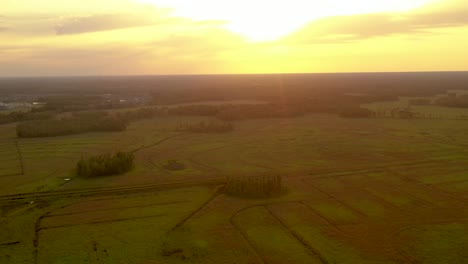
[(376, 190)]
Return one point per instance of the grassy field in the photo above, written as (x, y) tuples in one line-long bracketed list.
[(358, 191)]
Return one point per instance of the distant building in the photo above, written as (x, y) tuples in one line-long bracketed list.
[(452, 95)]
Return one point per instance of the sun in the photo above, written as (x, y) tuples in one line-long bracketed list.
[(266, 20)]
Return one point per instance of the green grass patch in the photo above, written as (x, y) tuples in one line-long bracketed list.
[(434, 244), (271, 239), (334, 211)]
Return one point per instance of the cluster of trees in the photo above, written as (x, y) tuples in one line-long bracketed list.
[(174, 165), (254, 186), (105, 165), (77, 124), (83, 122), (18, 116), (208, 127)]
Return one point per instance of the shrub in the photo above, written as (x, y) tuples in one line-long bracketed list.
[(174, 165), (254, 186), (105, 165)]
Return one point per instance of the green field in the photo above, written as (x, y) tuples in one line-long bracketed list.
[(375, 190)]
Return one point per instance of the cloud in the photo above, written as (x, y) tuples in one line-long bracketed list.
[(104, 22), (78, 21), (356, 27), (2, 24), (135, 17), (195, 50)]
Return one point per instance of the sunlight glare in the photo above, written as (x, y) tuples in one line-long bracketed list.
[(265, 20)]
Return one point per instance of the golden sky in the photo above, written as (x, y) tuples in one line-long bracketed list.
[(109, 37)]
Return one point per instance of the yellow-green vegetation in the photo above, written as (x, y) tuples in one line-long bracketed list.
[(335, 212), (95, 229), (440, 243), (356, 188), (271, 240)]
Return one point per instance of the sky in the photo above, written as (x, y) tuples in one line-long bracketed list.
[(146, 37)]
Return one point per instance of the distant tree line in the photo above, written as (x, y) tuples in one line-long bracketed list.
[(240, 112), (78, 102), (76, 124), (207, 127), (84, 122), (18, 116), (453, 101), (343, 106), (105, 165)]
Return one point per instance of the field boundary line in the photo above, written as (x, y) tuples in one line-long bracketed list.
[(156, 143), (20, 156), (297, 236), (246, 239), (403, 192), (250, 244), (113, 208), (379, 200), (328, 221), (10, 244), (360, 214), (153, 163), (393, 242), (192, 158), (381, 168), (113, 190), (434, 187), (192, 214), (102, 222)]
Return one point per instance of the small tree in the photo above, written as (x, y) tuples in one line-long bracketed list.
[(174, 165)]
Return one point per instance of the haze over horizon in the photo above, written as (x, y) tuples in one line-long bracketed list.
[(162, 37)]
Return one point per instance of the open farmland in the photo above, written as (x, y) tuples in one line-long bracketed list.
[(370, 190), (10, 158), (359, 191), (304, 145)]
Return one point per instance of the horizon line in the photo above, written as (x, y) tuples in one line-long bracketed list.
[(219, 74)]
